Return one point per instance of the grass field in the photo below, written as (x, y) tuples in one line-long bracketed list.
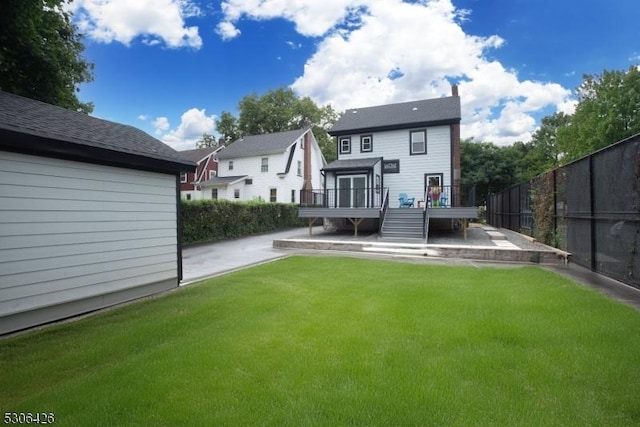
[(331, 341)]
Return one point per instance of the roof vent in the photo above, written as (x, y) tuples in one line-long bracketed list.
[(414, 109), (354, 111)]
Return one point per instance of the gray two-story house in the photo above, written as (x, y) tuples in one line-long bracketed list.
[(397, 172)]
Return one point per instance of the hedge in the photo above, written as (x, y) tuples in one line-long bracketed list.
[(211, 220)]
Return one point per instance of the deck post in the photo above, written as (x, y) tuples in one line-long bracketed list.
[(311, 222), (464, 227), (356, 222)]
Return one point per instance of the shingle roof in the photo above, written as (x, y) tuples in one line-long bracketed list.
[(399, 116), (221, 181), (27, 116), (197, 154), (256, 145), (368, 162)]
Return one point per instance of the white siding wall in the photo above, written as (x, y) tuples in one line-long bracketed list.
[(263, 182), (395, 145), (71, 230)]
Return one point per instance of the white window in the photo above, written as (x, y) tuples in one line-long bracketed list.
[(265, 165), (212, 174), (214, 193), (418, 141), (293, 196), (230, 165), (299, 168), (273, 195), (236, 193), (345, 145), (366, 143), (183, 177)]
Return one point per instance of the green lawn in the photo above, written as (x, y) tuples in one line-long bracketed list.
[(331, 341)]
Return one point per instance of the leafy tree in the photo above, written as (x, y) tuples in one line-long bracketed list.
[(608, 111), (489, 167), (542, 153), (228, 127), (277, 111), (40, 53), (206, 141)]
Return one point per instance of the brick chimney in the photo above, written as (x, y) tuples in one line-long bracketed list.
[(454, 90)]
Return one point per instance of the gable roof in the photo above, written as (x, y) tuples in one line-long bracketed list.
[(257, 145), (34, 127), (196, 155), (404, 115)]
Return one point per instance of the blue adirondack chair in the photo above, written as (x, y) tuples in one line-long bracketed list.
[(406, 202)]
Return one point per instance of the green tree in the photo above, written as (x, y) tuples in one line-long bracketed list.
[(489, 167), (608, 111), (277, 111), (228, 127), (41, 53), (542, 153), (206, 141)]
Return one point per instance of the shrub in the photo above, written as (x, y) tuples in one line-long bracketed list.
[(211, 220)]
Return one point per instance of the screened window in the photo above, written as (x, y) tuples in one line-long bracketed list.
[(418, 142), (299, 168), (345, 145), (366, 143), (265, 165)]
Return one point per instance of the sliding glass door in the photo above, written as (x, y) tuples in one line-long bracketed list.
[(352, 191)]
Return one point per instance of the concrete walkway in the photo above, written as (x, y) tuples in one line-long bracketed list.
[(209, 260)]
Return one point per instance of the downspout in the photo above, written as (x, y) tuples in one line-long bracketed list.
[(455, 156)]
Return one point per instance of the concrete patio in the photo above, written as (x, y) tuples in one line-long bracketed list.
[(483, 243)]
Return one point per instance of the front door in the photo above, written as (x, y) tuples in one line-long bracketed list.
[(433, 187), (352, 191)]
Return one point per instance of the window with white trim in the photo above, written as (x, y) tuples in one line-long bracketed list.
[(366, 143), (299, 168), (418, 141), (230, 165), (236, 193), (273, 195), (183, 177), (345, 145), (212, 174), (264, 167)]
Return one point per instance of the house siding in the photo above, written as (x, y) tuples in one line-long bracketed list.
[(71, 231), (391, 145), (263, 182)]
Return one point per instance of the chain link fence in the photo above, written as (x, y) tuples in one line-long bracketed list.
[(590, 208)]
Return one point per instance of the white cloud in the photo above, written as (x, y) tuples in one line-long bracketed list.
[(193, 124), (161, 125), (227, 30), (381, 51), (143, 117), (312, 18), (124, 20)]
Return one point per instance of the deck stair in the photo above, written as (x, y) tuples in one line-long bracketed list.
[(403, 224)]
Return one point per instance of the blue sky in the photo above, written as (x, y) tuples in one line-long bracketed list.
[(170, 67)]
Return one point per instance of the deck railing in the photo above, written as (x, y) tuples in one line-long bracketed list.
[(371, 198), (447, 196), (436, 197)]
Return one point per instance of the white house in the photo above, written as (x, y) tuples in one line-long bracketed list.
[(273, 167), (89, 213), (409, 148)]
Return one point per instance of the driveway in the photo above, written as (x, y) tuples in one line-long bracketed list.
[(223, 256)]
